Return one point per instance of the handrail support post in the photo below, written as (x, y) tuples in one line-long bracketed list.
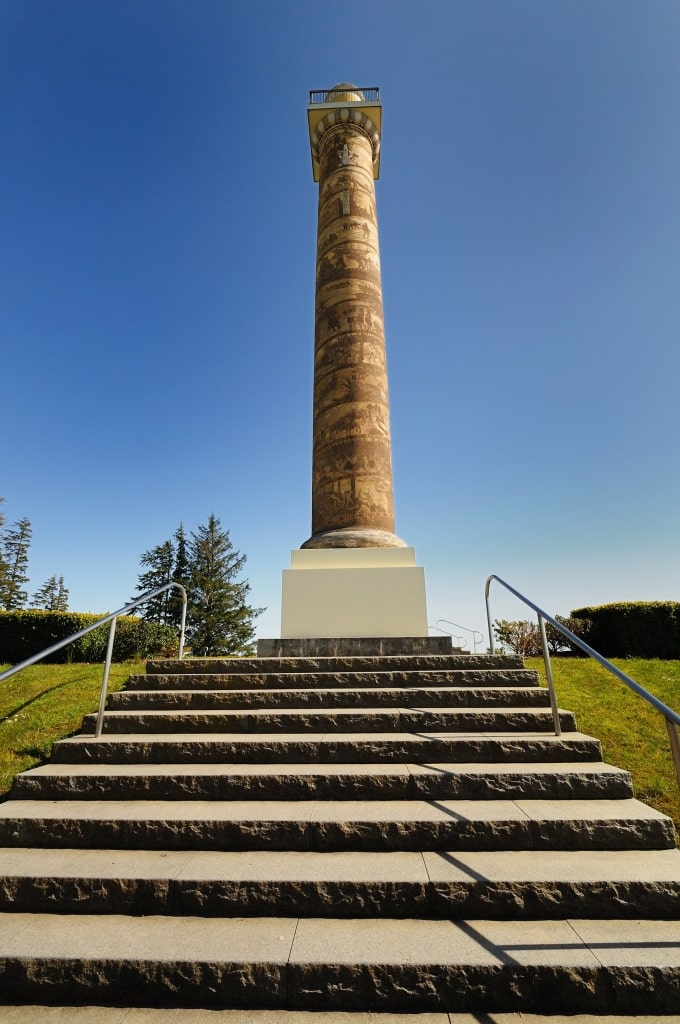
[(549, 677), (105, 680), (674, 738), (492, 640)]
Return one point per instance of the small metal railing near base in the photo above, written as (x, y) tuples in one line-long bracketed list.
[(475, 635), (671, 717), (112, 618)]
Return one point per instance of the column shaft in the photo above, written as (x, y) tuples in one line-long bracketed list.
[(352, 499)]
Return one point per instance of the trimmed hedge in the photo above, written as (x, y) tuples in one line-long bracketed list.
[(634, 629), (25, 633)]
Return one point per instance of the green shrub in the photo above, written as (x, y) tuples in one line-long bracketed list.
[(25, 633), (525, 637), (634, 629)]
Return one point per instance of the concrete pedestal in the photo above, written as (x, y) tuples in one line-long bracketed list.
[(353, 592)]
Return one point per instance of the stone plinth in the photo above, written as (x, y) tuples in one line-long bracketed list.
[(354, 592)]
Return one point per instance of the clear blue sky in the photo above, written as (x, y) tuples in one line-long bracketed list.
[(157, 285)]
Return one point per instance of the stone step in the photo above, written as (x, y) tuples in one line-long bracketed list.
[(574, 965), (338, 663), (331, 825), (28, 1014), (174, 699), (34, 1014), (354, 748), (374, 679), (323, 781), (495, 885), (367, 720)]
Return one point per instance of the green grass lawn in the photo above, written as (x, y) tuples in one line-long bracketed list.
[(45, 702), (633, 734)]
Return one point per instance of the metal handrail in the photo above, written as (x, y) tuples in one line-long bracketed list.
[(112, 618), (460, 640), (671, 717), (474, 632)]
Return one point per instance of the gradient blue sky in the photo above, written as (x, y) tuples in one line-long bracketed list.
[(157, 285)]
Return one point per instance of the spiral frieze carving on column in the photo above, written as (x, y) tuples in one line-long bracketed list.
[(352, 466)]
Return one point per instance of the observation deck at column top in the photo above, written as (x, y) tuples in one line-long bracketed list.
[(349, 104)]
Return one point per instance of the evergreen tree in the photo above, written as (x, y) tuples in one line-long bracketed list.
[(4, 568), (181, 574), (52, 596), (160, 563), (15, 544), (220, 621)]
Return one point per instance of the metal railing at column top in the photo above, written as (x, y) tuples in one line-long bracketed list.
[(112, 618), (371, 94), (672, 718)]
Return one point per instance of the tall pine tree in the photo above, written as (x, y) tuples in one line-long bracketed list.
[(15, 544), (159, 563), (4, 568), (181, 574), (221, 621), (52, 596)]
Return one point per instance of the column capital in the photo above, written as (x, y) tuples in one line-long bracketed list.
[(345, 105)]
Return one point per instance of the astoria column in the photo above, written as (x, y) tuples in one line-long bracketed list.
[(352, 498)]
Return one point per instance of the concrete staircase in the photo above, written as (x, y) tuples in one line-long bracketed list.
[(394, 833)]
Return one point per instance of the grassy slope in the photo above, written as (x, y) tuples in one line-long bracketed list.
[(633, 734), (45, 702)]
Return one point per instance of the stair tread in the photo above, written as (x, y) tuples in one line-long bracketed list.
[(461, 867), (322, 737), (289, 940), (393, 768), (378, 712), (29, 1014), (333, 810)]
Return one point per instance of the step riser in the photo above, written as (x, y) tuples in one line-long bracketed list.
[(366, 663), (526, 786), (373, 987), (201, 898), (522, 750), (334, 680), (337, 836), (123, 723), (254, 700)]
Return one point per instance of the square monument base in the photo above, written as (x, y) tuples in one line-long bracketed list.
[(353, 592)]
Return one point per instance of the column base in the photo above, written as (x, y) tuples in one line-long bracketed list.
[(344, 647), (355, 537), (354, 592)]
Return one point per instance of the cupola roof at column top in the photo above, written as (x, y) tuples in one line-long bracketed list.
[(345, 92)]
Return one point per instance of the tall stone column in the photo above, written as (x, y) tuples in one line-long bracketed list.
[(355, 579), (352, 499)]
